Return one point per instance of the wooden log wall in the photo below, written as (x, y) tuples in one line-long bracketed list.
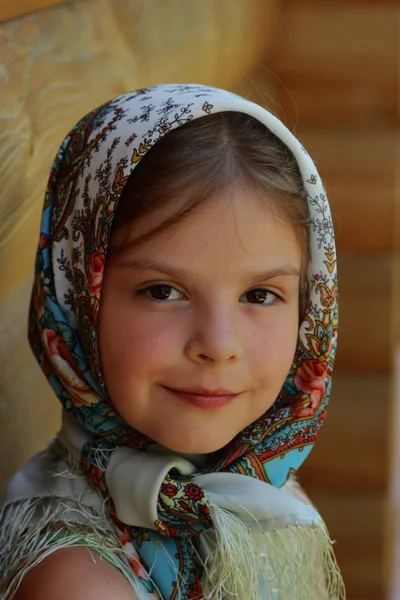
[(338, 63), (392, 571)]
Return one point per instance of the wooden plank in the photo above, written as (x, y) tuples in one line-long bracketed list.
[(355, 44), (337, 103), (287, 4), (396, 293), (353, 444), (18, 8), (336, 65), (359, 171), (355, 521), (392, 529), (365, 288)]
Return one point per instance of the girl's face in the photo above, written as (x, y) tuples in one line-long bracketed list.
[(209, 307)]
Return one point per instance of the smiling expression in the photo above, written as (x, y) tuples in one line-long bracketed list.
[(209, 307)]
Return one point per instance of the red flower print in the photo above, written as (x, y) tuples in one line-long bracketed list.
[(185, 506), (311, 376), (96, 263), (310, 379), (193, 491), (165, 528), (67, 370), (205, 513), (169, 490)]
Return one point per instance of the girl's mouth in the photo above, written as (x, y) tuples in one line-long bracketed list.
[(204, 399)]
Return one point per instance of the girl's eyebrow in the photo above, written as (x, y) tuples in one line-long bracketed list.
[(284, 270)]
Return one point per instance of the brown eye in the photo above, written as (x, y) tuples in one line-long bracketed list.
[(261, 296), (160, 292)]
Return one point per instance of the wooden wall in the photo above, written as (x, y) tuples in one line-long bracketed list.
[(392, 570), (338, 63)]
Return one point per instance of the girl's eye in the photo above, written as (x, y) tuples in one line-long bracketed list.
[(161, 293), (261, 296)]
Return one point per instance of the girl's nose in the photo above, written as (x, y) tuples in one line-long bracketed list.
[(215, 339)]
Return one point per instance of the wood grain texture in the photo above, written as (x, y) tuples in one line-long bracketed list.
[(342, 4), (18, 8), (396, 233), (392, 529), (365, 287), (355, 521), (392, 523), (339, 63)]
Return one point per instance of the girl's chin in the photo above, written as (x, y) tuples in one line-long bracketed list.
[(198, 444)]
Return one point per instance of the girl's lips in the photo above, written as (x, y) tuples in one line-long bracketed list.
[(203, 400)]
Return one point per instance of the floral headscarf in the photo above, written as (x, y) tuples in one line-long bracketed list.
[(85, 184)]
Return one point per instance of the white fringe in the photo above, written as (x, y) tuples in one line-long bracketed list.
[(293, 563), (23, 544)]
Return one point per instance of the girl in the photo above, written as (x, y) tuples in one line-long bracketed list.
[(184, 312)]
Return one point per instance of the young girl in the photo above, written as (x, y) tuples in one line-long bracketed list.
[(184, 312)]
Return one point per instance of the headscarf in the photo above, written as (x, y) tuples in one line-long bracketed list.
[(180, 515)]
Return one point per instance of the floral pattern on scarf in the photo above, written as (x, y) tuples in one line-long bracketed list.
[(85, 184)]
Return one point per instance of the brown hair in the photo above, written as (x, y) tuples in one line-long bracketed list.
[(209, 155)]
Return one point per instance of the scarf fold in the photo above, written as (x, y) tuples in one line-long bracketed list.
[(256, 541), (224, 529)]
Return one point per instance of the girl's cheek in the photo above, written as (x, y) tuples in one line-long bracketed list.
[(273, 346), (147, 339)]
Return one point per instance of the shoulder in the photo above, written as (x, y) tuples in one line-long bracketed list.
[(74, 574)]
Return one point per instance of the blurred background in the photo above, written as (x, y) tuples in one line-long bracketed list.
[(330, 70)]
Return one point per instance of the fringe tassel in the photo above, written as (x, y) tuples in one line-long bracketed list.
[(295, 562), (24, 543)]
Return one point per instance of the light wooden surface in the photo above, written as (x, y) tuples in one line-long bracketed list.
[(11, 9)]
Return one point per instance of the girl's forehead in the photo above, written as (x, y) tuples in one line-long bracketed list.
[(233, 227)]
